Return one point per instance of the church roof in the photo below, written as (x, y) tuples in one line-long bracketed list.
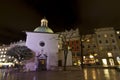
[(44, 27)]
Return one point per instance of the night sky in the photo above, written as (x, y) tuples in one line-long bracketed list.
[(17, 16)]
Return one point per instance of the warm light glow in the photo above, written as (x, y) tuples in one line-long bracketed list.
[(88, 40), (6, 64), (83, 56), (85, 74), (91, 56), (95, 54), (118, 60), (97, 60), (3, 59), (111, 62), (105, 35), (75, 64), (94, 75), (104, 62), (9, 57), (5, 48), (68, 47), (118, 32), (109, 54), (58, 46), (106, 74), (79, 62), (82, 40), (5, 52), (4, 55)]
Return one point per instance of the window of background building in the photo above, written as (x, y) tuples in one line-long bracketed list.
[(111, 35), (106, 41), (77, 42), (88, 46), (115, 47), (72, 48), (72, 42), (83, 46), (73, 54), (78, 54), (113, 41), (77, 47), (94, 46), (99, 36), (109, 54), (100, 41)]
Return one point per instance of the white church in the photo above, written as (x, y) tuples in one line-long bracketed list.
[(44, 42)]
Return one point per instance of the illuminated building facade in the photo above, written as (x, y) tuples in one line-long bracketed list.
[(100, 48), (3, 57), (109, 52), (89, 49), (6, 60), (118, 40)]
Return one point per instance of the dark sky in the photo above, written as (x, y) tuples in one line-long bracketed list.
[(17, 16)]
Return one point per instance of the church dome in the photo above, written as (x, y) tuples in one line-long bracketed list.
[(44, 27)]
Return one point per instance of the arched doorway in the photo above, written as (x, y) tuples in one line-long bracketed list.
[(42, 62)]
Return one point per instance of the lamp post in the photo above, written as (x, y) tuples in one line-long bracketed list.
[(81, 51)]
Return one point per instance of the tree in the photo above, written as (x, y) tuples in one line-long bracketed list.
[(21, 53), (65, 39)]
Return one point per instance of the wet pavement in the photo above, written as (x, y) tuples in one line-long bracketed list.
[(85, 74), (43, 75), (101, 74)]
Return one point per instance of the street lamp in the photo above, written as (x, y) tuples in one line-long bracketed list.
[(81, 53)]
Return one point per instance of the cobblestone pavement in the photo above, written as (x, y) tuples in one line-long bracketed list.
[(43, 75)]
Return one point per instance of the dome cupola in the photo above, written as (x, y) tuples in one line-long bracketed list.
[(44, 27)]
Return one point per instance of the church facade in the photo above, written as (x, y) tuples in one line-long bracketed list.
[(44, 43)]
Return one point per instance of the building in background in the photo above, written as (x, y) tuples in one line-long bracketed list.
[(72, 39), (109, 52), (118, 40), (89, 49), (4, 59), (100, 48), (118, 37)]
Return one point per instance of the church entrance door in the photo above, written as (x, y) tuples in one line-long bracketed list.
[(41, 64)]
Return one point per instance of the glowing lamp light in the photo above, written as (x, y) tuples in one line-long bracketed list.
[(58, 46), (68, 47), (91, 56), (83, 56), (88, 40), (118, 32)]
